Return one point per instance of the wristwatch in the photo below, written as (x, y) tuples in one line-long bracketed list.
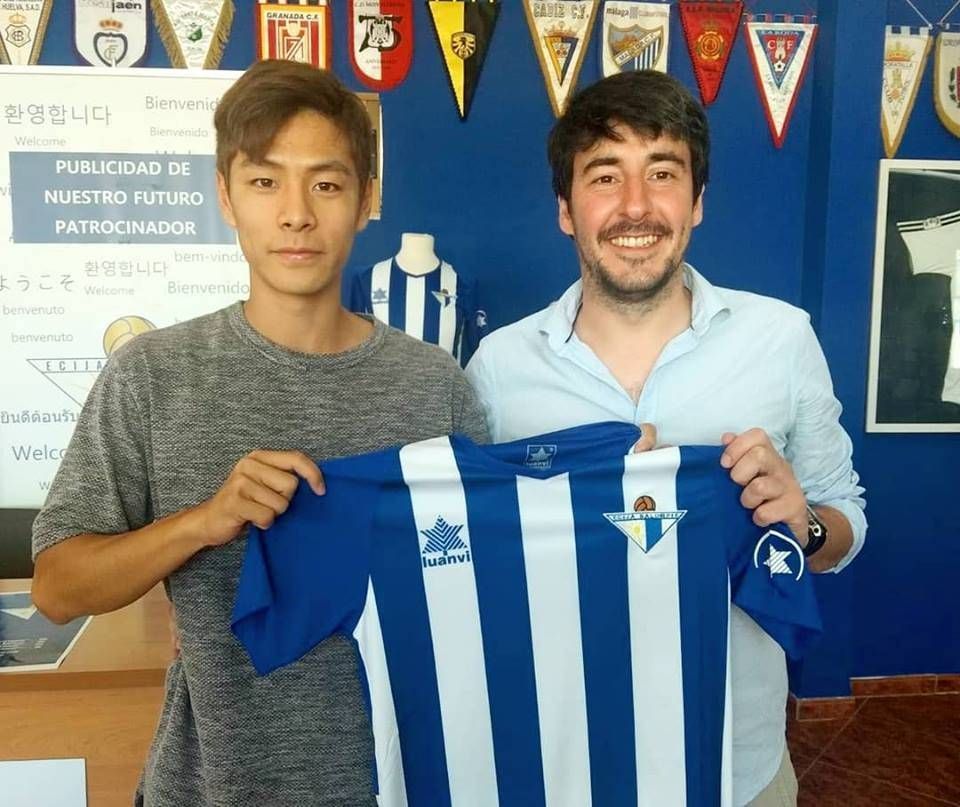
[(816, 533)]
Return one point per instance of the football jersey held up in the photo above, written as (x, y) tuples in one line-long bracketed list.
[(542, 622)]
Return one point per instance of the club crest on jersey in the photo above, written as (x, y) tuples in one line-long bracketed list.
[(782, 555), (444, 546), (444, 297), (540, 456), (645, 527)]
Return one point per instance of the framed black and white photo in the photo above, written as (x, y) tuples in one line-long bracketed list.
[(914, 371)]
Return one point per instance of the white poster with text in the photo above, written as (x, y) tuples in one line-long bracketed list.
[(109, 226)]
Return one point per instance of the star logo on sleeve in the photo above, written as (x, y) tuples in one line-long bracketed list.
[(777, 562), (780, 549)]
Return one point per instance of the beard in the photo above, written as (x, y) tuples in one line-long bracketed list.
[(633, 287)]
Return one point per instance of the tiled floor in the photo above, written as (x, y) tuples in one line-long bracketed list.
[(892, 751)]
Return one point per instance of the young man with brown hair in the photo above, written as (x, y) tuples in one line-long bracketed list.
[(195, 431), (642, 336)]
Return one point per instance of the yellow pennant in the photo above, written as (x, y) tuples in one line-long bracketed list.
[(464, 29)]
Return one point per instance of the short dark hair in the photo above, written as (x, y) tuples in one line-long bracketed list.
[(648, 102), (266, 96)]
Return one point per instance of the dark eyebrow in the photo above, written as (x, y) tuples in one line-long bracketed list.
[(326, 165), (655, 157)]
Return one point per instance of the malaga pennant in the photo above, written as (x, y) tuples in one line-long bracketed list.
[(464, 30), (23, 25), (295, 30), (381, 41), (710, 29), (780, 53), (905, 55), (946, 80), (560, 32), (110, 36), (194, 32), (634, 36)]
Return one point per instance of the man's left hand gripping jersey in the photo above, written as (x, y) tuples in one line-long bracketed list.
[(539, 622)]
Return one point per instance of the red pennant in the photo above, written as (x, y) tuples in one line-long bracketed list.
[(381, 41), (710, 29)]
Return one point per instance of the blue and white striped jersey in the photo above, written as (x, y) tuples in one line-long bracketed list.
[(439, 307), (542, 622)]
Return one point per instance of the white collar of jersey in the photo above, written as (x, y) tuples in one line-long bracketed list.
[(558, 318)]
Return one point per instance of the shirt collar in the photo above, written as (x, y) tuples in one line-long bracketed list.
[(707, 303)]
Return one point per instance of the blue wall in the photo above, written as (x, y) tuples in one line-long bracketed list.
[(797, 223)]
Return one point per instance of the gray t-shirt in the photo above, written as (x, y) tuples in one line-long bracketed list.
[(168, 418)]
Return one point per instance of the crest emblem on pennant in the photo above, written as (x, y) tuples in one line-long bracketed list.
[(111, 34), (464, 30), (946, 80), (194, 32), (381, 41), (904, 59), (780, 54), (298, 31), (560, 32), (23, 25), (635, 36), (710, 29), (645, 527)]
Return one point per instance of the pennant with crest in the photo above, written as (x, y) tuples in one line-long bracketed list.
[(710, 29), (905, 53), (946, 79), (464, 29), (561, 32), (194, 32), (23, 25), (634, 36), (780, 52), (381, 41), (110, 34), (295, 30)]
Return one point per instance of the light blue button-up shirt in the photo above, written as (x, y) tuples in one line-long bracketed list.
[(745, 361)]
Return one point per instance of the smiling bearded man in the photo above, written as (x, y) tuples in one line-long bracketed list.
[(643, 337)]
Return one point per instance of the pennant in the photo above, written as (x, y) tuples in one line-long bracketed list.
[(561, 32), (464, 30), (115, 38), (904, 59), (780, 53), (194, 32), (23, 25), (381, 41), (295, 30), (634, 36), (710, 29), (946, 80)]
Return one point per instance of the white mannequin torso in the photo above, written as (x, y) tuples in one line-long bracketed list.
[(416, 256)]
